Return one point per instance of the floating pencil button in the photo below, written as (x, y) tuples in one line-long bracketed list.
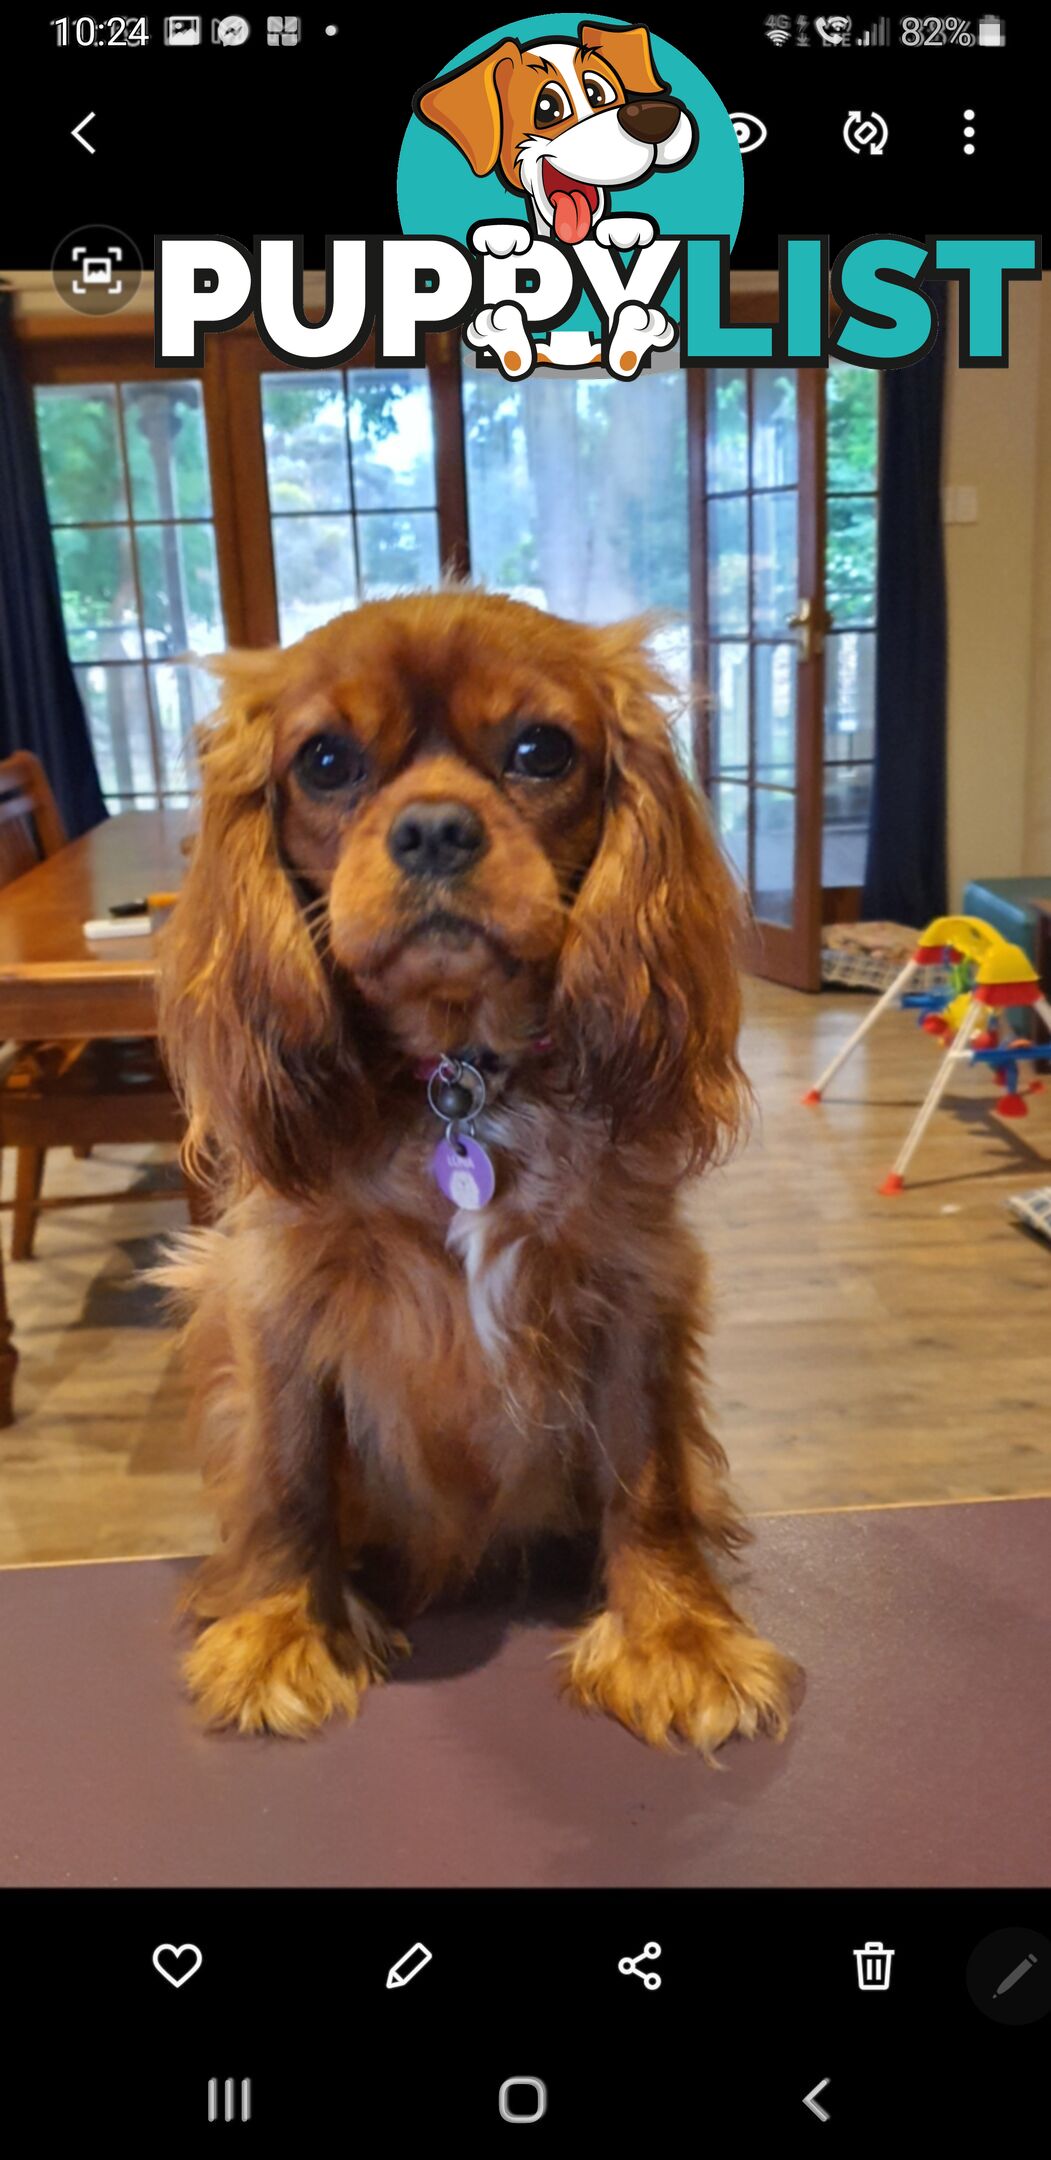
[(1017, 1972), (1009, 1976), (627, 1965)]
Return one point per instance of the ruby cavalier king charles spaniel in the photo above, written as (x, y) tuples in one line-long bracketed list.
[(450, 999)]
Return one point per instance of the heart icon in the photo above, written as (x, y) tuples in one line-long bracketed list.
[(168, 1959)]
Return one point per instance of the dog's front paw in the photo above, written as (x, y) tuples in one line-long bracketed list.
[(624, 232), (508, 238), (272, 1668), (637, 330), (700, 1683), (503, 331)]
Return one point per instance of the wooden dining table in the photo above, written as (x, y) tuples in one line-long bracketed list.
[(58, 985), (54, 982)]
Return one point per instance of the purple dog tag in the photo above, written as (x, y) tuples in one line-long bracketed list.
[(465, 1172)]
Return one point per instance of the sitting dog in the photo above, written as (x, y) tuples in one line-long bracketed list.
[(450, 998), (562, 122)]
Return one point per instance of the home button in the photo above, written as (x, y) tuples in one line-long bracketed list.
[(523, 2099)]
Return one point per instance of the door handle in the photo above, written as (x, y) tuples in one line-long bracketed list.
[(811, 620)]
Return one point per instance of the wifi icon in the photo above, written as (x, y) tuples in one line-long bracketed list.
[(778, 29)]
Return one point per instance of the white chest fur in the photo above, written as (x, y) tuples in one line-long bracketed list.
[(490, 1267)]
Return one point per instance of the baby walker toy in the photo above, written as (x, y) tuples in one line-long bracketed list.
[(986, 976)]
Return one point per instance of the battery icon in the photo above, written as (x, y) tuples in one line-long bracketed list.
[(992, 30)]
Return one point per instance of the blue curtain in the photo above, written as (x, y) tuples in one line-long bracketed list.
[(905, 870), (40, 709)]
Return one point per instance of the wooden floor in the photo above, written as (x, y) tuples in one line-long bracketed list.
[(865, 1350)]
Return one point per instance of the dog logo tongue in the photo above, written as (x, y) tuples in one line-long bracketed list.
[(574, 203), (572, 216)]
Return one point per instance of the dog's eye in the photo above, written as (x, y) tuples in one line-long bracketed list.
[(541, 753), (599, 92), (551, 106), (327, 763)]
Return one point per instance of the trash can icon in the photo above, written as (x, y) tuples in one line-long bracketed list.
[(873, 1967)]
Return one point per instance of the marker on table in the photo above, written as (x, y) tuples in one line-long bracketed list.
[(408, 1966), (142, 907), (1010, 1980), (131, 918)]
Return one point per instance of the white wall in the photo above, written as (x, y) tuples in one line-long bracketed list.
[(998, 443), (1037, 846)]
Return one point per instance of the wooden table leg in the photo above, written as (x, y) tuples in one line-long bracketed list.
[(8, 1356), (28, 1179)]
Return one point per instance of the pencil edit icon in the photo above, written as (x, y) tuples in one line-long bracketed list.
[(1019, 1973), (1009, 1976), (407, 1966)]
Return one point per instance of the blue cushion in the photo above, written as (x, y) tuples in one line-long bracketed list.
[(1006, 905)]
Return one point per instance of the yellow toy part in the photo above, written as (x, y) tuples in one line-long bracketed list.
[(1006, 966), (953, 1014), (998, 963), (969, 1022)]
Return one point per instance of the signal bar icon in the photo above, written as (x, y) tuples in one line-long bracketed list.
[(878, 33), (230, 2097)]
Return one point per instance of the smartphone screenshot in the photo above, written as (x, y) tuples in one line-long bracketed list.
[(525, 1124)]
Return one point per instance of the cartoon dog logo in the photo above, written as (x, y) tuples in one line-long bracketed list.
[(563, 122)]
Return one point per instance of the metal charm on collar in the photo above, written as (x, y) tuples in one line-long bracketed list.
[(461, 1166)]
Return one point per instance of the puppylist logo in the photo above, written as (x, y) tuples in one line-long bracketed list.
[(562, 153), (569, 194)]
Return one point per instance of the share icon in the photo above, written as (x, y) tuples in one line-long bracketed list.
[(631, 1965)]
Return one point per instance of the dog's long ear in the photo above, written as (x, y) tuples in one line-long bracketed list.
[(466, 106), (251, 1030), (629, 55), (647, 998)]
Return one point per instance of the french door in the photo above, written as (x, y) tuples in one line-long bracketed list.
[(757, 498), (698, 491)]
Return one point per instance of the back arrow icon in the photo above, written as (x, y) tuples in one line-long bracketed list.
[(810, 2100), (79, 136)]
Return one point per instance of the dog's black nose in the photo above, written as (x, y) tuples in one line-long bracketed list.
[(650, 122), (436, 839)]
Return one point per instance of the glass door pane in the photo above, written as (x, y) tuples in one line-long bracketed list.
[(852, 514), (758, 532), (578, 501), (129, 496), (352, 486)]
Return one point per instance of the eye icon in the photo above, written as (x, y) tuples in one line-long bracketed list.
[(749, 131)]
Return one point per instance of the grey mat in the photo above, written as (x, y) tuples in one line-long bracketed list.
[(921, 1754)]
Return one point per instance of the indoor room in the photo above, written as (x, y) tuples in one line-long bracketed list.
[(844, 571)]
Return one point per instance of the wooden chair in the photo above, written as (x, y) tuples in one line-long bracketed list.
[(66, 1094)]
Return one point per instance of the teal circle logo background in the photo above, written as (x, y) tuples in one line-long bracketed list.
[(438, 192)]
